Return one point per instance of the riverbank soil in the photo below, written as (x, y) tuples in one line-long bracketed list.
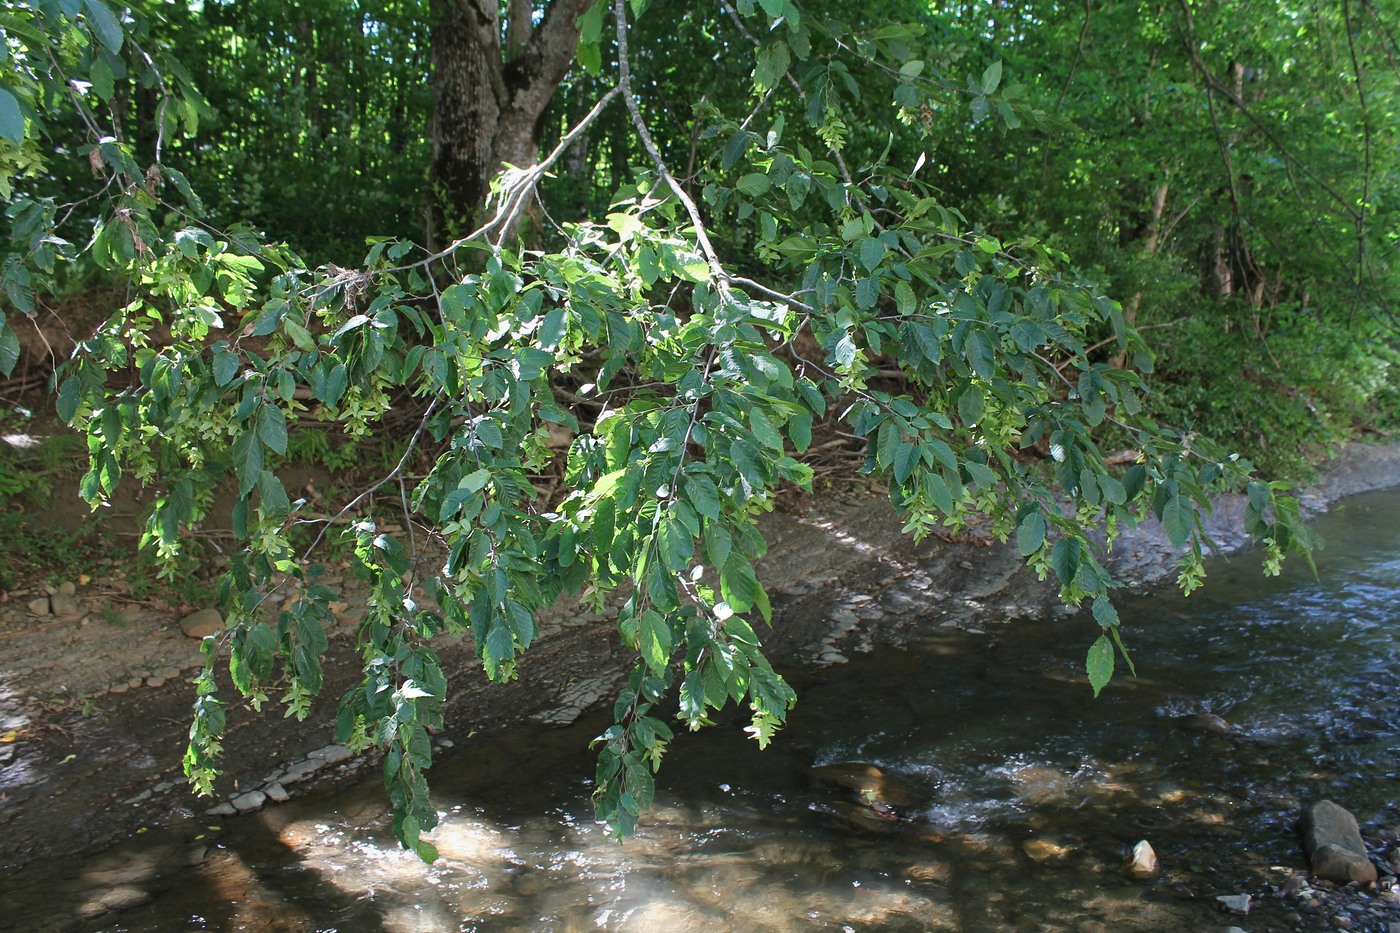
[(95, 694)]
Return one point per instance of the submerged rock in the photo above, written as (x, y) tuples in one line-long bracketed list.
[(873, 786), (1333, 843), (862, 819), (1208, 723)]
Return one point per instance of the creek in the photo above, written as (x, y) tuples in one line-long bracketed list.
[(1029, 791)]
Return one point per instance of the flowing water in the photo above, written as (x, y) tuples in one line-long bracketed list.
[(1026, 791)]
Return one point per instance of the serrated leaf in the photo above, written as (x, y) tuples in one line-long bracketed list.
[(704, 495), (105, 24), (738, 585), (655, 637), (971, 405), (871, 252), (754, 185), (9, 349), (1104, 613), (1178, 519), (1030, 534), (11, 118), (247, 461), (1099, 663), (272, 427), (225, 367)]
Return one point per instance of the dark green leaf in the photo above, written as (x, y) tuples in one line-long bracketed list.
[(11, 118), (1178, 519), (272, 427), (247, 461), (1030, 534), (105, 24)]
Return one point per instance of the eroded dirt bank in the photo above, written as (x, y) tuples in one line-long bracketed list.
[(93, 704)]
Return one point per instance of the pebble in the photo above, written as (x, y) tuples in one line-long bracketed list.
[(64, 606), (223, 809), (155, 681), (135, 682), (40, 606), (68, 588), (276, 793)]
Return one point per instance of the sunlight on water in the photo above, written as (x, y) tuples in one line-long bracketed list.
[(1003, 796)]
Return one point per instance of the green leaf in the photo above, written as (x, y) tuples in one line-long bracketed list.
[(69, 398), (274, 495), (108, 29), (1178, 518), (991, 78), (703, 494), (272, 427), (247, 461), (11, 118), (1099, 663), (225, 367), (971, 405), (738, 585), (9, 348), (1104, 613), (1064, 558), (754, 185), (655, 637), (1030, 534), (871, 252)]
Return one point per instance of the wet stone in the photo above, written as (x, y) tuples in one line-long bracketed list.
[(277, 793), (247, 803), (1234, 903), (301, 770), (331, 754), (122, 897), (1142, 863), (223, 809), (1333, 843), (1208, 723)]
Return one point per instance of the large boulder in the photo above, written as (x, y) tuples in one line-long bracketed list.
[(1333, 843)]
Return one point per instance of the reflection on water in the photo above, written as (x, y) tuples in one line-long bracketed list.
[(1030, 791)]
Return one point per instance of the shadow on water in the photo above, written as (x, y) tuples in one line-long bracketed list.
[(239, 875), (1027, 791)]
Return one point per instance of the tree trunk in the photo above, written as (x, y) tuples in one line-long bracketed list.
[(487, 110)]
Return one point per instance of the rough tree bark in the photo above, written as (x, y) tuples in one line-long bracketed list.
[(489, 101)]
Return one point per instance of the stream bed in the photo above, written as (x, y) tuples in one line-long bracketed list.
[(1025, 792)]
